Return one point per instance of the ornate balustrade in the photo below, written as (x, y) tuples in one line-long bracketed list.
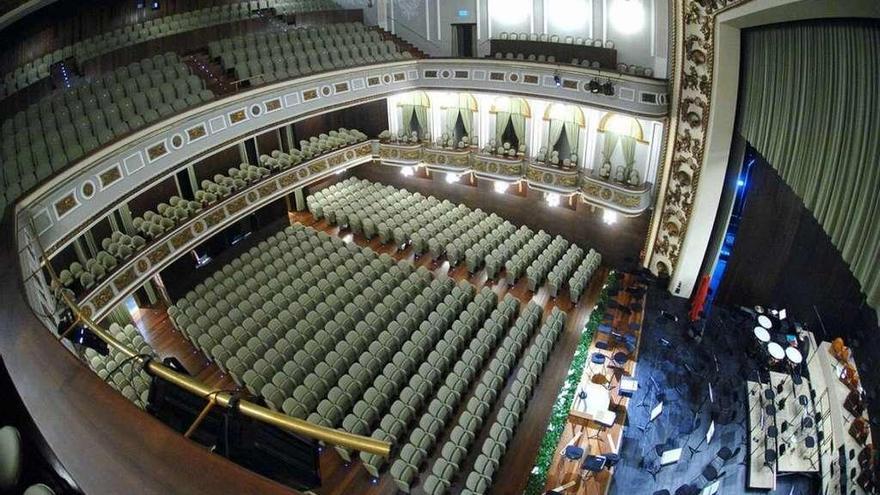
[(624, 199)]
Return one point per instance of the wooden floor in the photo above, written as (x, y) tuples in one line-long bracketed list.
[(606, 440), (158, 330), (341, 479)]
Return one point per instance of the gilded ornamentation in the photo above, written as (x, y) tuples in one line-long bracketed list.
[(182, 238), (693, 68), (310, 94), (236, 205), (110, 176), (102, 298), (64, 205), (267, 189), (159, 254), (273, 105), (124, 279), (142, 265), (237, 116), (196, 132), (215, 217), (157, 151)]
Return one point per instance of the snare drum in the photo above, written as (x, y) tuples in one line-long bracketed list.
[(761, 334), (775, 351)]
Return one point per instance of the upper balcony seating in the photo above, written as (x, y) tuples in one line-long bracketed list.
[(267, 57), (37, 69), (67, 125)]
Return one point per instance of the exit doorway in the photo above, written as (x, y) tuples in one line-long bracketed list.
[(464, 40)]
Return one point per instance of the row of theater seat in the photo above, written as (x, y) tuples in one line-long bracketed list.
[(268, 57), (580, 280), (555, 38), (153, 225), (501, 431), (439, 228), (121, 372), (35, 70), (431, 395), (67, 125), (421, 442)]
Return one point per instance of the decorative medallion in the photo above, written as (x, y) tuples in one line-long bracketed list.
[(252, 196), (142, 265), (256, 110), (386, 79), (326, 90), (87, 189), (177, 141), (199, 227), (514, 77)]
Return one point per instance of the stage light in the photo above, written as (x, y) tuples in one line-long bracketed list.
[(594, 86), (557, 80), (627, 16), (609, 217), (740, 183), (553, 199), (451, 178), (608, 89), (155, 4), (500, 187), (407, 171)]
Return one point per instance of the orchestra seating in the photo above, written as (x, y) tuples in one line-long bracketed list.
[(439, 228), (39, 68), (331, 332), (267, 57), (119, 371)]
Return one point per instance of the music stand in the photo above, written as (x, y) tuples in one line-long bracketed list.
[(708, 439)]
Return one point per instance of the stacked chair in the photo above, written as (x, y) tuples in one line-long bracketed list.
[(579, 282), (37, 69), (501, 431), (67, 125), (119, 371), (267, 57), (471, 420)]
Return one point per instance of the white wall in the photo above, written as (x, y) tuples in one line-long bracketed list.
[(428, 23)]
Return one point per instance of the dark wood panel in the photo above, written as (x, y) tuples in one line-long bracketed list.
[(218, 163), (147, 200), (269, 141), (370, 118), (582, 225), (783, 256)]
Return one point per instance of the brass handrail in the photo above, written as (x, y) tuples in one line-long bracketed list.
[(221, 398)]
